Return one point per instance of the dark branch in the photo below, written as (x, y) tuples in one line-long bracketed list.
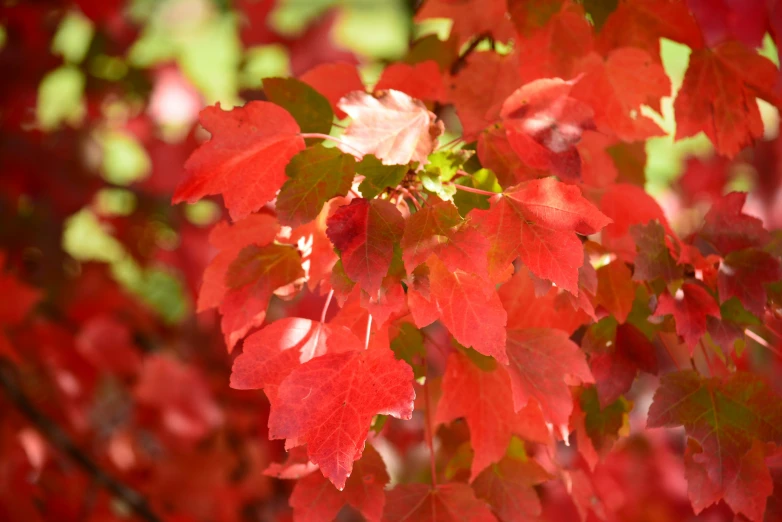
[(55, 435), (457, 65)]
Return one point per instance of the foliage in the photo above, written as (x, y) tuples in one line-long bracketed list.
[(451, 268)]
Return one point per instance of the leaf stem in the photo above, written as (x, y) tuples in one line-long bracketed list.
[(762, 342), (473, 190), (369, 330), (326, 306), (428, 427), (412, 198), (330, 138)]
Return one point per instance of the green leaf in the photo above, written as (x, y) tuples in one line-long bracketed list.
[(483, 179), (378, 177), (308, 107), (446, 163), (316, 175), (408, 345), (432, 183)]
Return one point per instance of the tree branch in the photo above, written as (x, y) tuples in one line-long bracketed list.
[(55, 435), (457, 65)]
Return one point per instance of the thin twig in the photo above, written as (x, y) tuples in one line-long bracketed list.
[(457, 65), (60, 440), (473, 190)]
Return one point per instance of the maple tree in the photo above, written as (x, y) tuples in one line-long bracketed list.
[(454, 274)]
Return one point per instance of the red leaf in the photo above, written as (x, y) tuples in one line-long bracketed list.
[(328, 403), (543, 361), (439, 229), (314, 499), (718, 96), (316, 175), (255, 274), (654, 259), (245, 159), (474, 393), (615, 290), (471, 17), (496, 154), (727, 417), (553, 50), (641, 23), (722, 20), (544, 123), (469, 308), (270, 354), (452, 502), (689, 307), (365, 232), (744, 273), (422, 81), (334, 81), (617, 87), (726, 229), (394, 127), (527, 310), (508, 488), (627, 205), (478, 104), (255, 229), (616, 366), (538, 221)]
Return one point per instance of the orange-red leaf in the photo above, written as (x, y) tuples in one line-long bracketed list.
[(469, 308), (543, 361), (718, 96), (538, 221), (328, 404), (245, 159)]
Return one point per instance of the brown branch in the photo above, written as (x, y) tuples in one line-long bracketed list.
[(56, 436), (457, 65)]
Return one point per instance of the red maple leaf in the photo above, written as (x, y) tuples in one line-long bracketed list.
[(245, 159), (365, 232), (543, 361), (270, 354), (478, 104), (452, 502), (615, 290), (727, 417), (538, 221), (509, 488), (544, 123), (252, 278), (718, 96), (744, 273), (394, 127), (470, 391), (617, 87), (334, 81), (469, 308), (471, 17), (690, 306), (422, 81), (314, 498), (439, 229), (328, 404)]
